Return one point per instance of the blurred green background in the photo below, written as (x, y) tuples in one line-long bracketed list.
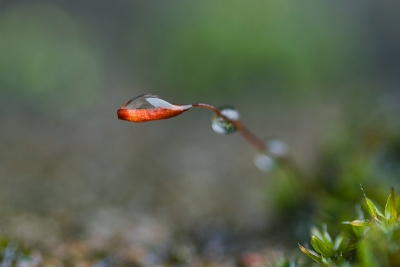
[(322, 76)]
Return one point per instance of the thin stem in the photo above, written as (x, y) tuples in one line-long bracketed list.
[(258, 143), (255, 141)]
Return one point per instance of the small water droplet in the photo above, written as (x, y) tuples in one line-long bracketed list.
[(264, 162), (222, 126), (148, 107), (277, 148)]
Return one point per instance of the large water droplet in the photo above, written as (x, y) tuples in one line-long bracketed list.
[(148, 107), (276, 148), (221, 125), (264, 162)]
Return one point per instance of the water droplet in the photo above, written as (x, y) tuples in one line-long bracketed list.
[(277, 148), (264, 162), (148, 107), (221, 125)]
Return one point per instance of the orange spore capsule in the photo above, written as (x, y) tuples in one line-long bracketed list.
[(143, 115), (149, 108)]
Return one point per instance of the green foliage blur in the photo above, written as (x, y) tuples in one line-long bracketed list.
[(233, 47), (44, 58)]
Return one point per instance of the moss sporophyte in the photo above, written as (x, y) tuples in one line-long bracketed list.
[(226, 120)]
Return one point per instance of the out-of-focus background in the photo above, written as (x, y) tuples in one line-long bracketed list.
[(322, 76)]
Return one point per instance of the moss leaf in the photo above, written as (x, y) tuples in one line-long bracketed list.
[(357, 223), (321, 247), (314, 256), (373, 210), (390, 208)]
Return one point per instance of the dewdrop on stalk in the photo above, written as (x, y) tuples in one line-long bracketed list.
[(264, 162), (276, 148), (222, 126)]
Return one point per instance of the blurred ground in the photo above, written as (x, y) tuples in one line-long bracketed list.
[(311, 74)]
